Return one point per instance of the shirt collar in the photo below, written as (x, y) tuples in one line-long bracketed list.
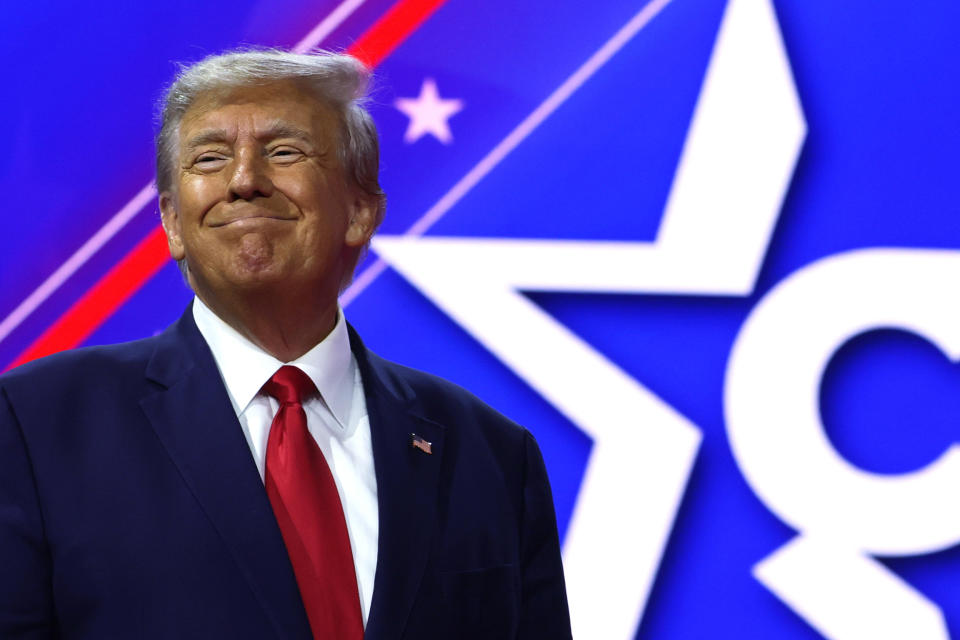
[(245, 367)]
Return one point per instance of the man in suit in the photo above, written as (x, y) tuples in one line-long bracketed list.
[(254, 471)]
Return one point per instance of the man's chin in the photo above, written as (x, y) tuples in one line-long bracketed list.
[(257, 280), (262, 280)]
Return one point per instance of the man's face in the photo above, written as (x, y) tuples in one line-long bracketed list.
[(260, 201)]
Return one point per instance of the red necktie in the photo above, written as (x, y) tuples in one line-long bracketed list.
[(305, 501)]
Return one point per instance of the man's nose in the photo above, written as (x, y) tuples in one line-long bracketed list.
[(250, 177)]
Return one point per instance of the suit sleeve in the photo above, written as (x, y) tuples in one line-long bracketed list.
[(26, 610), (544, 612)]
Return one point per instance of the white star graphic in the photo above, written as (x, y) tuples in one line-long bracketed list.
[(428, 113), (737, 161)]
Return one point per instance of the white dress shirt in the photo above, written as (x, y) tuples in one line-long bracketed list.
[(337, 420)]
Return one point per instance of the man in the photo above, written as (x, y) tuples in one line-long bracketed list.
[(254, 471)]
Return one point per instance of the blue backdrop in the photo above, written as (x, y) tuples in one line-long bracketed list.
[(538, 153)]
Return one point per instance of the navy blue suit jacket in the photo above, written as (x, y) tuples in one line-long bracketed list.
[(131, 507)]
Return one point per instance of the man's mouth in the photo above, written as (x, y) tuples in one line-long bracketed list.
[(250, 217)]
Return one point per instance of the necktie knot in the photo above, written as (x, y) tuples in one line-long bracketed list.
[(290, 385)]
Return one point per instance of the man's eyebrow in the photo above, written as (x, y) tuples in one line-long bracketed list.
[(280, 129), (206, 136), (273, 130)]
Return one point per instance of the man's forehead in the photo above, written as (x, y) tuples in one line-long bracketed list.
[(283, 107)]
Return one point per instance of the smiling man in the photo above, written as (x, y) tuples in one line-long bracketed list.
[(255, 471), (268, 223)]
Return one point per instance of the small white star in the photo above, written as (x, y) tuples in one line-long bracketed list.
[(428, 113)]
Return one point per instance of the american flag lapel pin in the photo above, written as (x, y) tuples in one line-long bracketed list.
[(419, 443)]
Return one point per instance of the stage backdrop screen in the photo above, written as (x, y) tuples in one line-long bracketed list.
[(705, 250)]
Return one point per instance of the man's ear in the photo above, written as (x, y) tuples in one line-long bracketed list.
[(363, 220), (170, 218)]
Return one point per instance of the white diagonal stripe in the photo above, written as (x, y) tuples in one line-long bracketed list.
[(77, 260), (326, 27)]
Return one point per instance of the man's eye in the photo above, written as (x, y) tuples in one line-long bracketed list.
[(208, 159), (285, 153)]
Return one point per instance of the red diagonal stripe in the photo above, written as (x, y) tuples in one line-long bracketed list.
[(137, 267), (389, 31), (99, 303)]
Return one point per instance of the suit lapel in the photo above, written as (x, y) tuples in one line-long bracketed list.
[(408, 487), (194, 420)]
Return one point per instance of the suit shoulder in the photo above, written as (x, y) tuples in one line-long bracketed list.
[(83, 367), (444, 400)]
